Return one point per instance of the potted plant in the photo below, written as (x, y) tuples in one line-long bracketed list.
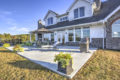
[(64, 63)]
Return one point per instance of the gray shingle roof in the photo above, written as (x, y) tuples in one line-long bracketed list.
[(106, 8)]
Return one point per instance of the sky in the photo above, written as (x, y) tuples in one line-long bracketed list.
[(21, 16)]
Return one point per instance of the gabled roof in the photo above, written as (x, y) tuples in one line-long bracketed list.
[(50, 11), (75, 1), (62, 14), (107, 8)]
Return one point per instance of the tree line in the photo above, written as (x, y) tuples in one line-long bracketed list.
[(19, 38)]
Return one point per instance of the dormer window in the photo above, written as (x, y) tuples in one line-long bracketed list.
[(82, 11), (76, 13), (79, 12), (63, 19), (50, 20)]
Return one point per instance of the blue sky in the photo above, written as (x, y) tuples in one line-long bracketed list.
[(21, 16)]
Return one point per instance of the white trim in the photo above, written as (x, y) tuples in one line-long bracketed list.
[(48, 14), (118, 8), (101, 21), (74, 36), (36, 36)]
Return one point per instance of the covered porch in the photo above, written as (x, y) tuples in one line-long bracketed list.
[(39, 35)]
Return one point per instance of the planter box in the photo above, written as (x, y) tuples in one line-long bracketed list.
[(84, 45), (67, 70)]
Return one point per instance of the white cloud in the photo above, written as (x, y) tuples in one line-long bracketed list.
[(13, 28), (5, 12), (21, 29)]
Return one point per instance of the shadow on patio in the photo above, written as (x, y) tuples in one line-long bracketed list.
[(26, 64), (6, 51)]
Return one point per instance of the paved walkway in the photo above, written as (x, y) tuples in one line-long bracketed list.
[(46, 58)]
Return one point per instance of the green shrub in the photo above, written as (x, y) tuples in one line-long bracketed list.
[(28, 44), (63, 58), (6, 45), (18, 48)]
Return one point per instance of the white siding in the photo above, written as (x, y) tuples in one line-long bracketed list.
[(81, 3), (97, 31)]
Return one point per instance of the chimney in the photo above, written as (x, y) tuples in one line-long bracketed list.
[(40, 24), (98, 5)]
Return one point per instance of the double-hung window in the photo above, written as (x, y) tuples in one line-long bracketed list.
[(76, 13), (86, 32), (82, 11), (78, 34), (79, 12), (50, 20), (70, 35)]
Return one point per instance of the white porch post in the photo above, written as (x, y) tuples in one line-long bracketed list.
[(42, 37), (36, 36), (30, 37), (50, 37), (81, 32), (74, 36), (56, 36), (66, 35)]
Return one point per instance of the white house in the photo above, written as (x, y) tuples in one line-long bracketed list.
[(100, 21)]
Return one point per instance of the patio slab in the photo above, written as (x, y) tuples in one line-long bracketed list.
[(45, 58)]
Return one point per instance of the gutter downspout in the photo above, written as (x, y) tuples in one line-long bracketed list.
[(104, 34)]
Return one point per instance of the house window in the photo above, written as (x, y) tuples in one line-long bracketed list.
[(70, 35), (52, 37), (86, 32), (79, 12), (76, 13), (63, 19), (78, 34), (50, 20), (82, 11), (46, 37), (116, 29)]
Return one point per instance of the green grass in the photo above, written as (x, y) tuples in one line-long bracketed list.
[(103, 65)]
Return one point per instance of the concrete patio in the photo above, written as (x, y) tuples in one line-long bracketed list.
[(45, 57)]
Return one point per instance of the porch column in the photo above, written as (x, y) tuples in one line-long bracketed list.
[(81, 32), (42, 37), (74, 36), (66, 36), (36, 36), (56, 36), (50, 36), (30, 37)]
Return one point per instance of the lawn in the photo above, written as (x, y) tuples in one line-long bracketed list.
[(103, 65)]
